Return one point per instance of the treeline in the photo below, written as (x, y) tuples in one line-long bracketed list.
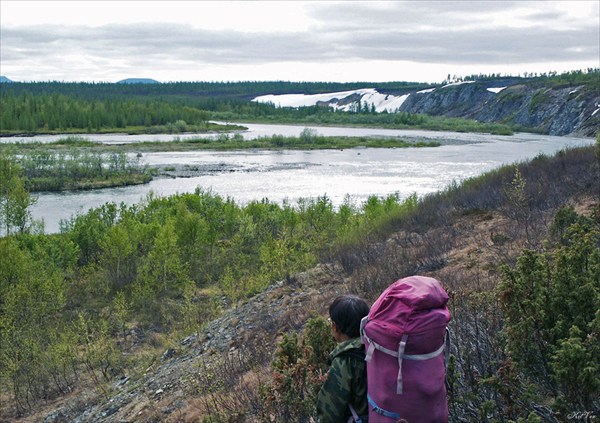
[(59, 112), (574, 77), (246, 90), (61, 106), (225, 90)]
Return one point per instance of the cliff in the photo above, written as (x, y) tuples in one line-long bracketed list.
[(555, 107), (557, 110)]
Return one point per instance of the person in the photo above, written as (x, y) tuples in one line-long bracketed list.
[(346, 383)]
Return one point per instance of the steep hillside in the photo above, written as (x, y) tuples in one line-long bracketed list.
[(555, 109), (460, 236)]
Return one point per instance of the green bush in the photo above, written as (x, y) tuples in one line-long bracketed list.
[(550, 301), (298, 368)]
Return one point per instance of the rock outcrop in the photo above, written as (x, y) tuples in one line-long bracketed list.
[(555, 111), (527, 105)]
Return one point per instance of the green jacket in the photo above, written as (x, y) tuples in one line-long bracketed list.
[(346, 384)]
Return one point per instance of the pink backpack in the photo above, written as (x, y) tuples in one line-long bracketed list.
[(405, 335)]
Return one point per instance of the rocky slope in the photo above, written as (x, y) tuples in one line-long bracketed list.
[(555, 109), (169, 388)]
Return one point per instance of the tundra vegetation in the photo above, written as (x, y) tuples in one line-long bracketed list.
[(525, 293)]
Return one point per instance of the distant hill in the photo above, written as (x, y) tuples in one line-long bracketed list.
[(4, 79), (138, 81)]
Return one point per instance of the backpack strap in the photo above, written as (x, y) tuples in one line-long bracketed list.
[(447, 349), (447, 358), (359, 354), (381, 411), (355, 418)]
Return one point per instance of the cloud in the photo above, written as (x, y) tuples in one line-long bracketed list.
[(445, 33)]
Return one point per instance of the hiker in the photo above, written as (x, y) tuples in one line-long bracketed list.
[(344, 393)]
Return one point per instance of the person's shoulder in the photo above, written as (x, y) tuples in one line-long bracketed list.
[(351, 349)]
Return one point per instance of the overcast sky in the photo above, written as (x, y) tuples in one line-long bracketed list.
[(421, 41)]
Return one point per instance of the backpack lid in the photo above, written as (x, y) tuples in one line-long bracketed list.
[(415, 292), (410, 305)]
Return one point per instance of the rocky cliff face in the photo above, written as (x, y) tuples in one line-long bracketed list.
[(547, 107), (556, 111)]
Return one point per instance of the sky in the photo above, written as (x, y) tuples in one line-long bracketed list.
[(339, 41)]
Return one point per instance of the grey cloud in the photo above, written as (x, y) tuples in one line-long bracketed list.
[(344, 31), (517, 45), (165, 40), (443, 14)]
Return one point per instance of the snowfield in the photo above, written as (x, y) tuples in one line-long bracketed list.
[(343, 100), (338, 100), (348, 100)]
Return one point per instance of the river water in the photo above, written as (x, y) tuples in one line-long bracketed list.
[(352, 174)]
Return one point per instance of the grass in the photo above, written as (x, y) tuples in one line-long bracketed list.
[(223, 142)]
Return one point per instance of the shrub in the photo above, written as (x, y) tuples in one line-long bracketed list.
[(298, 369), (550, 301)]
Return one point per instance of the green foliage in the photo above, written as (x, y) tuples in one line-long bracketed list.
[(575, 368), (518, 200), (298, 369), (550, 301), (14, 197), (67, 301), (539, 98), (33, 111), (32, 300), (151, 265), (46, 170)]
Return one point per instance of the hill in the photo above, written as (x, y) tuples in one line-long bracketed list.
[(467, 236), (525, 105), (4, 79), (138, 81)]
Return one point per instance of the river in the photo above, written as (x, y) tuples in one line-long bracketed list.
[(342, 175)]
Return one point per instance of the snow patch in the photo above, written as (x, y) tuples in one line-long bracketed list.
[(301, 100), (596, 111), (370, 96), (457, 83), (429, 90), (495, 90)]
